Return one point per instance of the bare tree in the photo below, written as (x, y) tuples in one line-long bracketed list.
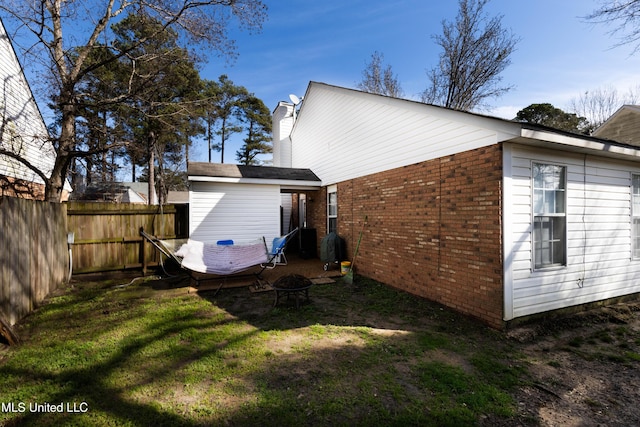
[(378, 79), (64, 33), (624, 17), (475, 50), (599, 104)]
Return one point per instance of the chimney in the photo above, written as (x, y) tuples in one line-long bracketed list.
[(283, 118)]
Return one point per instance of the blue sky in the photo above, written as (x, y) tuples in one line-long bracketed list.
[(558, 57)]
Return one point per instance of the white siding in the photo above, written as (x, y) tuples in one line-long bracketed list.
[(342, 134), (599, 262), (242, 212), (24, 130)]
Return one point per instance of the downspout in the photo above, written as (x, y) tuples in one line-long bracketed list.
[(584, 223)]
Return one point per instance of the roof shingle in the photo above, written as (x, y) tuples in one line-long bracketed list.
[(222, 170)]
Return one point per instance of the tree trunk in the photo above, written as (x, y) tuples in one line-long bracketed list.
[(161, 186), (104, 162), (152, 178), (209, 137), (223, 136), (55, 185), (89, 171)]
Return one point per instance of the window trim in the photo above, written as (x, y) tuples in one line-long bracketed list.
[(332, 189), (535, 215), (635, 252)]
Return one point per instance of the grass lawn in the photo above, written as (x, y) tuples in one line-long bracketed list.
[(151, 353)]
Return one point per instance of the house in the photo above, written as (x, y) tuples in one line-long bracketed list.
[(622, 126), (114, 192), (496, 219), (23, 132), (126, 192)]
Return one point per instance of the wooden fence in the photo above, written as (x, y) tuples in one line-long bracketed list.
[(107, 236), (34, 258)]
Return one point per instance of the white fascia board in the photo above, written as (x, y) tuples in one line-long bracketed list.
[(288, 183), (298, 187), (610, 150)]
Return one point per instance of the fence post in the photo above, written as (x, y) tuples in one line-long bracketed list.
[(142, 253), (106, 235)]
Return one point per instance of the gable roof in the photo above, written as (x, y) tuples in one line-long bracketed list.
[(622, 126), (23, 130), (290, 178), (343, 133), (339, 93)]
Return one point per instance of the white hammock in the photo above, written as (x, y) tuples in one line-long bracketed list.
[(222, 259)]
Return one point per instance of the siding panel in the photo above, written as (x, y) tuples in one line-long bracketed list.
[(381, 135), (23, 129), (242, 212), (599, 263)]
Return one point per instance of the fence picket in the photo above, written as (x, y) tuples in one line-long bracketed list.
[(107, 234), (34, 256)]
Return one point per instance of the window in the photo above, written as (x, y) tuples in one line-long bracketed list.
[(332, 209), (549, 215), (635, 214)]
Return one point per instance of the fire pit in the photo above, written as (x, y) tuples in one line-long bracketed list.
[(292, 284)]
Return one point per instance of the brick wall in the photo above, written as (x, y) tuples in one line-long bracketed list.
[(13, 187), (317, 212), (434, 229)]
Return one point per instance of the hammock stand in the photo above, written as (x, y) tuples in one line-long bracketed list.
[(221, 261)]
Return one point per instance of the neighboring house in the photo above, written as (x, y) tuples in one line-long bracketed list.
[(497, 219), (22, 130), (126, 192), (114, 192), (622, 126)]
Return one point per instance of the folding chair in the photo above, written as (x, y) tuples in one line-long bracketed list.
[(276, 255)]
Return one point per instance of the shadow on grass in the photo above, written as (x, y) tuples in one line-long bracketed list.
[(366, 358), (366, 303), (152, 354), (104, 374)]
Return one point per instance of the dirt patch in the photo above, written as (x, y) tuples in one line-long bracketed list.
[(584, 368)]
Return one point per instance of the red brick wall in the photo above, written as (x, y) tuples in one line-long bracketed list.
[(13, 187), (434, 229), (317, 212)]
